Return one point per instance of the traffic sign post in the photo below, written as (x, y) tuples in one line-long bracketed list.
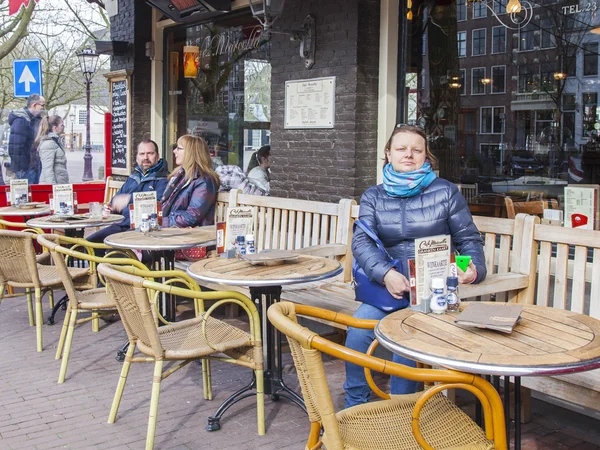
[(27, 76)]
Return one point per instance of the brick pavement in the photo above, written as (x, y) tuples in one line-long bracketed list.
[(37, 413)]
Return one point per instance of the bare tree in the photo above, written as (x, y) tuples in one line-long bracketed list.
[(13, 29)]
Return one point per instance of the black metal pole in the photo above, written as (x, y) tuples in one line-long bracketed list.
[(87, 158)]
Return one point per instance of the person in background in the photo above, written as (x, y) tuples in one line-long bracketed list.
[(258, 168), (24, 124), (411, 203), (150, 174), (51, 150), (232, 177), (190, 197)]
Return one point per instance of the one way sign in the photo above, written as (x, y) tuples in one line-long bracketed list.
[(27, 75)]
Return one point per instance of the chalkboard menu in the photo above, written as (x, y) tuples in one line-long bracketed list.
[(119, 151)]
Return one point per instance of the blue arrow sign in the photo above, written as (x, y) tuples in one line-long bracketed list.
[(27, 76)]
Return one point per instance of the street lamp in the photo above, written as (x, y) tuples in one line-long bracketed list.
[(88, 60), (72, 119)]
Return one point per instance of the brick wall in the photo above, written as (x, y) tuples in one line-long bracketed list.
[(328, 164), (134, 20)]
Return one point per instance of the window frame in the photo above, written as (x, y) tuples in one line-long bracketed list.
[(473, 80), (493, 40), (484, 41), (493, 114), (492, 77), (464, 33)]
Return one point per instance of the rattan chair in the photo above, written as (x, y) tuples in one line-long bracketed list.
[(185, 341), (94, 300), (20, 269), (425, 420)]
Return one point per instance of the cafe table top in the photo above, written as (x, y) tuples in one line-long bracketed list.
[(238, 272), (547, 341), (14, 211), (57, 223), (164, 239)]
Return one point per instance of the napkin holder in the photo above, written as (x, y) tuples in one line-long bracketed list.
[(422, 307), (227, 254)]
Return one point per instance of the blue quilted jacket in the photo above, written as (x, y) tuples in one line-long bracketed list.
[(440, 209)]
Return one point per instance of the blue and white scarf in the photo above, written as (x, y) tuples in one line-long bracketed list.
[(407, 184)]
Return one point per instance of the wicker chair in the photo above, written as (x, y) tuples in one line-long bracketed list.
[(185, 341), (94, 300), (435, 421), (19, 269)]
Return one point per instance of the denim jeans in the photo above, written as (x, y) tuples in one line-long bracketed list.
[(32, 175), (357, 389)]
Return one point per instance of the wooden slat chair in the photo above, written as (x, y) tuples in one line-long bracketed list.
[(435, 421), (112, 187), (19, 269), (185, 341), (535, 207), (94, 301)]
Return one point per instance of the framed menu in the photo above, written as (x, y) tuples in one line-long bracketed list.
[(310, 103), (120, 105), (432, 260), (63, 201), (582, 206), (19, 191), (143, 203), (240, 222)]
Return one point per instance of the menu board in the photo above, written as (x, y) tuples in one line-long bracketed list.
[(120, 126), (432, 260), (143, 203), (582, 207), (310, 103)]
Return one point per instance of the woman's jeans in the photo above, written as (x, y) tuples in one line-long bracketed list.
[(357, 389)]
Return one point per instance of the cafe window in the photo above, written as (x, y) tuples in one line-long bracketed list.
[(477, 87), (461, 10), (479, 10), (478, 42), (548, 38), (462, 44), (590, 59), (219, 88), (498, 79), (498, 40), (526, 38)]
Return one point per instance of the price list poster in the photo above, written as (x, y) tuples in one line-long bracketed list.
[(120, 108)]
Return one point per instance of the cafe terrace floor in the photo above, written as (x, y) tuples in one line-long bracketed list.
[(38, 413)]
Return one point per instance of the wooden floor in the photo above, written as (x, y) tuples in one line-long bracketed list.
[(37, 413)]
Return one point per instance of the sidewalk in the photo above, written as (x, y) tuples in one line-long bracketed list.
[(38, 413)]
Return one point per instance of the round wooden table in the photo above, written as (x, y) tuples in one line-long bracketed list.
[(162, 245), (58, 223), (14, 211), (265, 283), (547, 341)]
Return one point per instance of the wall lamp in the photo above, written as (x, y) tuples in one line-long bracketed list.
[(520, 12), (268, 11)]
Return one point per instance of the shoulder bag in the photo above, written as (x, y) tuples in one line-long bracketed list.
[(372, 292)]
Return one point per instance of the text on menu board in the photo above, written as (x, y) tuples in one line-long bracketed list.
[(119, 124), (310, 103)]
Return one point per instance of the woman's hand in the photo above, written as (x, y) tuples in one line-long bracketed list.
[(396, 284), (469, 275)]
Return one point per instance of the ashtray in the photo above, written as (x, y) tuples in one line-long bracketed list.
[(30, 205), (269, 257)]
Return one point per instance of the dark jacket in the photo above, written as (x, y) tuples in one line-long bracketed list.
[(155, 179), (440, 209), (23, 127), (193, 205)]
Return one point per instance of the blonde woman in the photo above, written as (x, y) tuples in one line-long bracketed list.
[(52, 153), (190, 197)]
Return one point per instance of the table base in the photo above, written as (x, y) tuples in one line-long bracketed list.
[(274, 385), (495, 380)]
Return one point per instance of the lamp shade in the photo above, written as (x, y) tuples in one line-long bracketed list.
[(513, 6), (190, 61), (267, 9), (88, 61)]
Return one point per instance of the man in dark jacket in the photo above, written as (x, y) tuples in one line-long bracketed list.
[(24, 125), (150, 174)]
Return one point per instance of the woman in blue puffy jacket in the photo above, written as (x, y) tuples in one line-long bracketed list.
[(411, 203)]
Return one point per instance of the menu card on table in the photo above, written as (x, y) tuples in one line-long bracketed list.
[(240, 222), (63, 199), (500, 317), (19, 192), (143, 203), (432, 260), (582, 207)]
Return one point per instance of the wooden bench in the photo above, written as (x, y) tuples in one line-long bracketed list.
[(568, 277), (325, 229)]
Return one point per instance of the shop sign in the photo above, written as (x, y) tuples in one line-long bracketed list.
[(222, 44), (577, 9)]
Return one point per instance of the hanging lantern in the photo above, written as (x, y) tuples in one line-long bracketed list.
[(190, 61)]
